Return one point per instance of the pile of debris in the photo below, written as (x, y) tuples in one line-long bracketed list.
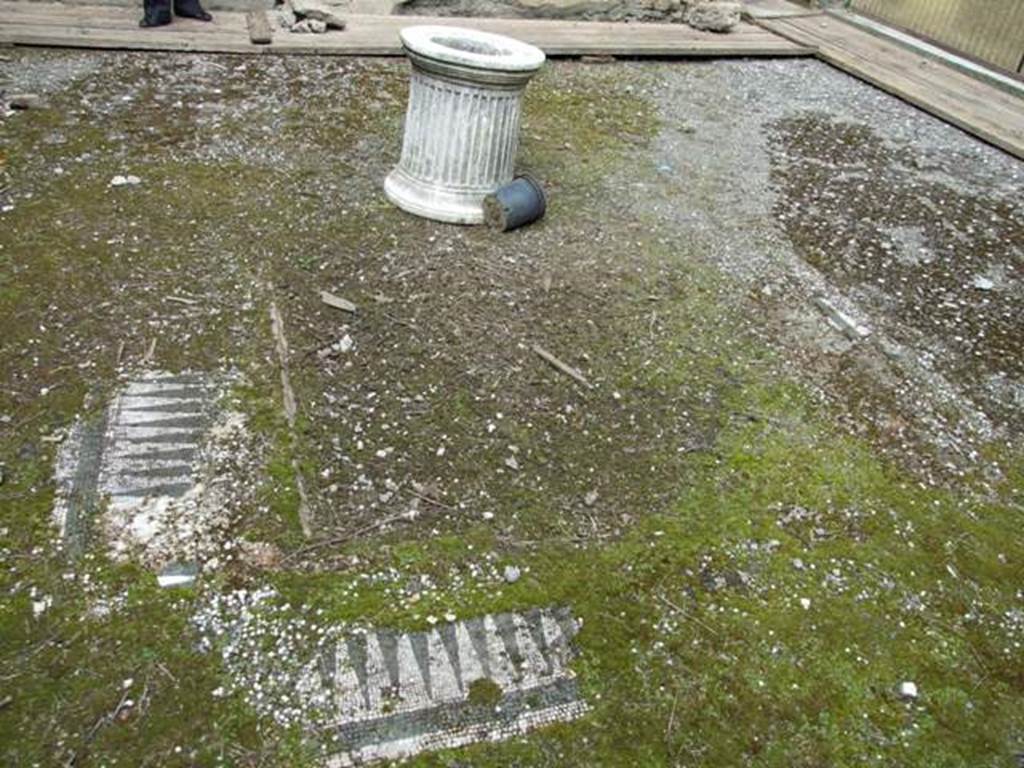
[(711, 15), (309, 16)]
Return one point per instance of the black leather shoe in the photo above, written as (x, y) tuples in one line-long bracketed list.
[(155, 13), (191, 9)]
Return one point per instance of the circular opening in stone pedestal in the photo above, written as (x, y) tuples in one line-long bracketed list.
[(467, 50), (479, 47)]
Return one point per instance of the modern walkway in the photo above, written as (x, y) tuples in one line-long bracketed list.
[(991, 113), (54, 24)]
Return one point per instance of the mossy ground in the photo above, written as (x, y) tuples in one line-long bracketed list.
[(754, 581)]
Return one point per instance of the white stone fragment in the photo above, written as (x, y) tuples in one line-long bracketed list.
[(908, 690), (983, 283), (40, 606), (175, 579), (125, 181)]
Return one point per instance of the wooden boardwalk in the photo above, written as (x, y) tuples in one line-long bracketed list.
[(53, 24), (782, 29), (988, 112)]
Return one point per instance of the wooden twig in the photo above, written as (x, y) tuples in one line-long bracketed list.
[(564, 367), (345, 537), (687, 614), (180, 300), (431, 501), (671, 718)]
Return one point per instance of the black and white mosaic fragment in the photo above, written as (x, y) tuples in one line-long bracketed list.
[(142, 474), (398, 694), (373, 694)]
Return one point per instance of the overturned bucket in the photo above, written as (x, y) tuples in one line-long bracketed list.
[(522, 201)]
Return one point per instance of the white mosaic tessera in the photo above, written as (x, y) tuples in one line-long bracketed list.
[(462, 122)]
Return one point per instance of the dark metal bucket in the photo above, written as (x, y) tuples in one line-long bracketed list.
[(519, 202)]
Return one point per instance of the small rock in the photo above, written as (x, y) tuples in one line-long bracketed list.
[(286, 17), (315, 10), (511, 463), (805, 603), (511, 574), (125, 181), (714, 16), (309, 26), (908, 690), (40, 606), (24, 101), (178, 575), (591, 498), (983, 283)]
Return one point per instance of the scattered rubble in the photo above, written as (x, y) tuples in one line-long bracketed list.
[(309, 16), (318, 11), (714, 16), (309, 26)]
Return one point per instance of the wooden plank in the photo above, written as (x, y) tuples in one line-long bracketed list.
[(993, 33), (776, 9), (37, 23), (983, 110), (115, 19), (259, 27)]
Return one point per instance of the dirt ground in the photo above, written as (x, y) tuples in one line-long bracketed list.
[(794, 483)]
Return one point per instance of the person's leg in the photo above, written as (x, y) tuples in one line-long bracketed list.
[(155, 13), (191, 9)]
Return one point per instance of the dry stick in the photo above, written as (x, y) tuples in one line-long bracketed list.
[(290, 409), (565, 368), (671, 718), (687, 614), (345, 537), (108, 718), (429, 500), (180, 300)]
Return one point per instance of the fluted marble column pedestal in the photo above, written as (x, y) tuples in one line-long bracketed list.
[(462, 123)]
